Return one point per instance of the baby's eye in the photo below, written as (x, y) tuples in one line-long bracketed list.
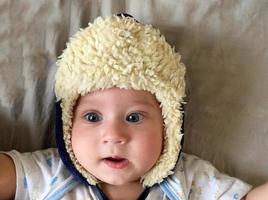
[(134, 117), (93, 117)]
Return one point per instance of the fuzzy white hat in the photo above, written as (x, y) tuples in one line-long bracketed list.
[(118, 51)]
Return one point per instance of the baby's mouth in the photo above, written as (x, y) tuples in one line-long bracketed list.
[(116, 162)]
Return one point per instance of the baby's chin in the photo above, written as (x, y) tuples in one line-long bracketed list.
[(119, 180)]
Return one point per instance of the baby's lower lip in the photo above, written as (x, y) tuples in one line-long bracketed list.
[(116, 163)]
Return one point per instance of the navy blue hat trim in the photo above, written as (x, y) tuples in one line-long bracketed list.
[(61, 146), (126, 15)]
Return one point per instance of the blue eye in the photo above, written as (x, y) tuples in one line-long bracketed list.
[(93, 117), (134, 117)]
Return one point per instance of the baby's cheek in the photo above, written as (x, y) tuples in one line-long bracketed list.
[(150, 151), (79, 146), (81, 152)]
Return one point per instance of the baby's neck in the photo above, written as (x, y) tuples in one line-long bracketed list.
[(130, 191)]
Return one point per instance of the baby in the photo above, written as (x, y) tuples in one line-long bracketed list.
[(119, 88)]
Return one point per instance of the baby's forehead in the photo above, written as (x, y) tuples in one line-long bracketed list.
[(119, 95)]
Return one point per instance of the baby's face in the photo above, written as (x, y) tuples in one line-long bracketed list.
[(117, 134)]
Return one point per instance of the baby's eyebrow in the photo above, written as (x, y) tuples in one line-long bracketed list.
[(88, 101), (146, 103), (86, 106)]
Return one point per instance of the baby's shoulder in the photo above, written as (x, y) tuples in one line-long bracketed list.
[(195, 169), (42, 159), (201, 180), (42, 174)]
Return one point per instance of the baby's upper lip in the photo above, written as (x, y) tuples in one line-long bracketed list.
[(116, 162), (115, 157)]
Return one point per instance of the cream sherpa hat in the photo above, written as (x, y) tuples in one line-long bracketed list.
[(118, 51)]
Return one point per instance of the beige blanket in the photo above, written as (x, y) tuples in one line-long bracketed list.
[(224, 45)]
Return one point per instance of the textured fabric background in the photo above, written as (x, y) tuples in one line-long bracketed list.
[(224, 45)]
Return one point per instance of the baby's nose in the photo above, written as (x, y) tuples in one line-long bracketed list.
[(115, 133)]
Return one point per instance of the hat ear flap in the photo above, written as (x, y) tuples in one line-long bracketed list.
[(65, 157)]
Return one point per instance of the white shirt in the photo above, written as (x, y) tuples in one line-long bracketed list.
[(41, 175)]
